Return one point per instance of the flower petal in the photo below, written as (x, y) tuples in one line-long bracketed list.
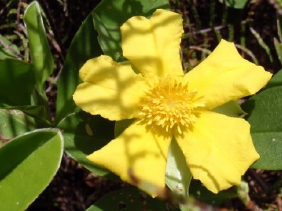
[(226, 76), (137, 154), (153, 45), (109, 89), (218, 150)]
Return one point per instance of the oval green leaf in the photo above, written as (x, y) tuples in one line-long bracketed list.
[(28, 164), (40, 53)]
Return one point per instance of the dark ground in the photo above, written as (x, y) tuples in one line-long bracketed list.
[(74, 188)]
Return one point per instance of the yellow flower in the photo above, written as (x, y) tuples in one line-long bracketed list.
[(165, 103)]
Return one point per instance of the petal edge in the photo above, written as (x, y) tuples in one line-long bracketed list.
[(137, 152), (110, 89), (226, 76), (218, 150)]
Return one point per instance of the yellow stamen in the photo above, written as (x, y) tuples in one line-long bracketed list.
[(170, 104)]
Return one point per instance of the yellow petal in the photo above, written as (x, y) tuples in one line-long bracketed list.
[(218, 150), (137, 154), (153, 45), (226, 76), (109, 89)]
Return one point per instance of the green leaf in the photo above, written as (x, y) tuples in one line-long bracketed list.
[(237, 4), (84, 134), (178, 175), (14, 123), (109, 15), (264, 114), (83, 47), (269, 147), (28, 164), (17, 82), (130, 199), (40, 53)]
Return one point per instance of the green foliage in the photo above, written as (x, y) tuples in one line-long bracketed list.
[(17, 89), (29, 161), (41, 56), (83, 47), (264, 114), (12, 73), (28, 164)]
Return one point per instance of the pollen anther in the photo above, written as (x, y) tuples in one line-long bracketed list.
[(170, 104)]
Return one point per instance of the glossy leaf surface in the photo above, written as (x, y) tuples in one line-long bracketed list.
[(28, 164), (40, 53)]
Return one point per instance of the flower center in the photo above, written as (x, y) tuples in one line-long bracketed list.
[(170, 104)]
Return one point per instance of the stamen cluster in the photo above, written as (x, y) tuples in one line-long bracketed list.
[(170, 104)]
